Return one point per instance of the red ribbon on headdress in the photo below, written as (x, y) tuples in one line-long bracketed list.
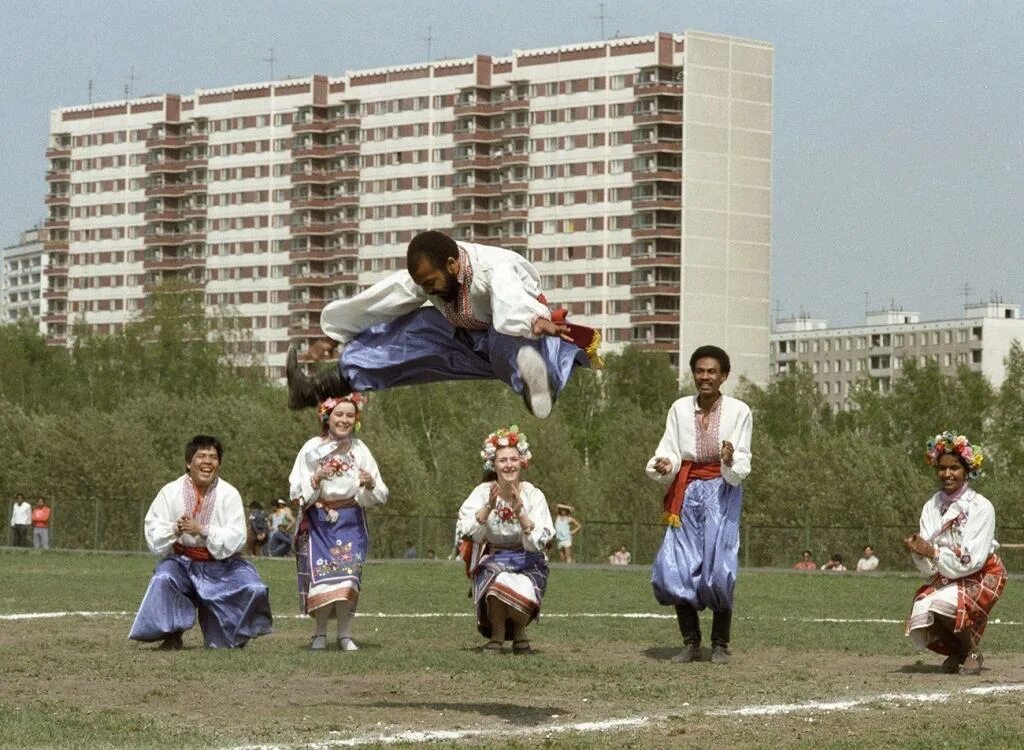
[(689, 471)]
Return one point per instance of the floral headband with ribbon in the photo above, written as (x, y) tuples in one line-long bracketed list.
[(505, 437), (323, 412), (959, 446)]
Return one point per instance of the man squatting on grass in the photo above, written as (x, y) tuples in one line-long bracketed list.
[(487, 319), (198, 524), (704, 455)]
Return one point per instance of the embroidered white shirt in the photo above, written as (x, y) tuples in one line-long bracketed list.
[(226, 530), (967, 543), (507, 532)]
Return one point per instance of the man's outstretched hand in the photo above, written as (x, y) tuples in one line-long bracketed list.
[(545, 327)]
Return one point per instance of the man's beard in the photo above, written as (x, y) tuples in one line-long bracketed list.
[(451, 287)]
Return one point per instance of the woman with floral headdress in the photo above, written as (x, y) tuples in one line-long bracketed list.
[(509, 523), (955, 545), (334, 479)]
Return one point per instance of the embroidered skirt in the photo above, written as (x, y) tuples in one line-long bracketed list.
[(330, 557), (516, 577)]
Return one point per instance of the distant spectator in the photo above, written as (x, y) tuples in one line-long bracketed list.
[(281, 524), (410, 551), (835, 563), (259, 528), (868, 561), (41, 524), (620, 556), (21, 521), (566, 527), (431, 555), (806, 561)]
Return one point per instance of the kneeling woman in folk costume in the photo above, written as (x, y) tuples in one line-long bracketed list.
[(956, 546), (335, 478), (509, 524)]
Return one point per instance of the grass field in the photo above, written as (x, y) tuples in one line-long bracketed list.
[(828, 647)]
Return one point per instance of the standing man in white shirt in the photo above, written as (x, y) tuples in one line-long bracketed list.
[(487, 318), (21, 521), (703, 456)]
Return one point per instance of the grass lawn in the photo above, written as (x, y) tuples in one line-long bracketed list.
[(77, 681)]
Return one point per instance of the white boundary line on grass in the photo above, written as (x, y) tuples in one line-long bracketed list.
[(546, 615), (412, 736)]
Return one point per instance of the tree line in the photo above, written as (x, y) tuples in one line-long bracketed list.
[(108, 418)]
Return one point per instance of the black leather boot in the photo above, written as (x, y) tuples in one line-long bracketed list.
[(689, 626), (305, 390), (721, 625)]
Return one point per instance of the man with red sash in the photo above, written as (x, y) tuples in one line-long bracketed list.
[(703, 456), (486, 319), (197, 523)]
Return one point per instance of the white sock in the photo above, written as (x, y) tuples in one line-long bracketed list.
[(345, 617), (320, 616)]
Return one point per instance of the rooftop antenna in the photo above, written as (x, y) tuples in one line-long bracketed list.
[(965, 290), (130, 88), (778, 310), (90, 91), (271, 60), (601, 15), (429, 38), (867, 302)]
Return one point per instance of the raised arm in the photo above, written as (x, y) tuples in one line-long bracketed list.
[(390, 298)]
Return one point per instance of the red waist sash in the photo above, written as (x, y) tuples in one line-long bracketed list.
[(199, 554), (689, 471)]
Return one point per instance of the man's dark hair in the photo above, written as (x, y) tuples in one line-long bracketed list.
[(713, 352), (436, 247), (19, 495), (203, 441)]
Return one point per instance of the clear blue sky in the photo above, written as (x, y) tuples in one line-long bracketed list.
[(899, 126)]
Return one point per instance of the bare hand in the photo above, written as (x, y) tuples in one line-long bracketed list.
[(545, 327), (191, 526), (727, 451), (920, 546), (662, 466), (365, 480), (492, 495)]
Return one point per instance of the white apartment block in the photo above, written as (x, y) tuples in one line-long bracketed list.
[(635, 173), (25, 289), (841, 358)]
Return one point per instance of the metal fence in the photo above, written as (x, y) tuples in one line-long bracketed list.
[(117, 526)]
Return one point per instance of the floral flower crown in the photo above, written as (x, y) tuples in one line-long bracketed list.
[(505, 437), (323, 412), (958, 445)]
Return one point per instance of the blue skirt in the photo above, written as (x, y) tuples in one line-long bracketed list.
[(424, 347), (232, 601), (530, 564), (698, 560), (330, 557)]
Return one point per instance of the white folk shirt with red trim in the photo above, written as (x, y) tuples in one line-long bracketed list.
[(503, 294)]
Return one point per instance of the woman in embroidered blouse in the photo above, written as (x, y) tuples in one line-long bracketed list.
[(703, 457), (955, 546), (509, 523), (335, 478)]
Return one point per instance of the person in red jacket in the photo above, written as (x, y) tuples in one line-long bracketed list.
[(41, 524)]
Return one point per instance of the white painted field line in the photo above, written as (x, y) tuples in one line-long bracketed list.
[(436, 735), (632, 722), (845, 705)]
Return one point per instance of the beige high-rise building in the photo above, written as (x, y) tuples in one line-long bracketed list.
[(635, 173), (842, 359)]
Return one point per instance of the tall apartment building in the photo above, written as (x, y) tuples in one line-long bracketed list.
[(25, 288), (635, 173), (840, 358)]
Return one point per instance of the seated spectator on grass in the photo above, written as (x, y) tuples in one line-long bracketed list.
[(806, 561), (867, 561), (620, 556), (197, 524), (509, 524), (835, 564), (281, 524), (955, 547)]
